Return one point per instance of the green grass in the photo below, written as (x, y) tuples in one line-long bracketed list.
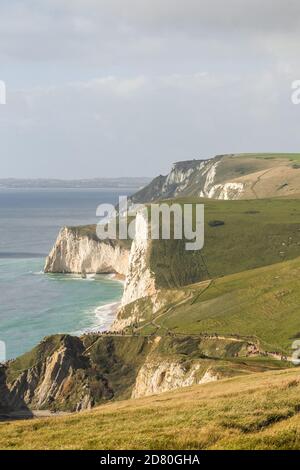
[(255, 233), (260, 304), (34, 356), (271, 156), (259, 411), (90, 232)]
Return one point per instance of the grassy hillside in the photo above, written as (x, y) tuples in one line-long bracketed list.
[(259, 411), (254, 233), (271, 156), (261, 305), (231, 176)]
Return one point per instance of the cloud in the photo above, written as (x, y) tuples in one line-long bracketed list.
[(140, 125), (129, 86), (94, 30)]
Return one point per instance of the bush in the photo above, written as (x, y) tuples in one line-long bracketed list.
[(216, 223)]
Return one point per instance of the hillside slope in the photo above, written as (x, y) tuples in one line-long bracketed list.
[(259, 411), (236, 176), (261, 305)]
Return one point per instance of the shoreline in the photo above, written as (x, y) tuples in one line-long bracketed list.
[(105, 313), (117, 277), (99, 303)]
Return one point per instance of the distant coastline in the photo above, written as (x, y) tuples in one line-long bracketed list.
[(93, 183)]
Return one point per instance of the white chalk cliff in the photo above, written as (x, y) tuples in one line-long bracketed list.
[(74, 252), (140, 280), (158, 376)]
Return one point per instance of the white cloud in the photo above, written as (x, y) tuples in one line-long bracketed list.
[(129, 86), (139, 125)]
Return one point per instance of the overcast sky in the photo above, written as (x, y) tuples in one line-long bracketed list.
[(127, 87)]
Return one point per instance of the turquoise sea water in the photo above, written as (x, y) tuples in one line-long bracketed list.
[(34, 304)]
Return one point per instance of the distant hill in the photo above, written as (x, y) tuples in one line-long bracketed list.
[(235, 176), (40, 183)]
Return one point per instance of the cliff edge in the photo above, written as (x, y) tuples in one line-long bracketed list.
[(78, 250)]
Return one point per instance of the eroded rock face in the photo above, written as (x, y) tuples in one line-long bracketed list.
[(162, 376), (66, 373), (140, 280), (77, 253), (203, 178), (58, 379), (227, 177)]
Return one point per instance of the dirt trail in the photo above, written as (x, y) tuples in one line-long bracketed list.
[(165, 331), (257, 181)]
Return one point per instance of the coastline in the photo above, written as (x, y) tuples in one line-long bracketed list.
[(70, 305), (105, 314), (35, 305)]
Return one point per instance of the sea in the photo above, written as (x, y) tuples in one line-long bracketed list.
[(34, 304)]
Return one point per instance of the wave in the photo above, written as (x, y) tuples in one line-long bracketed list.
[(104, 317), (70, 277)]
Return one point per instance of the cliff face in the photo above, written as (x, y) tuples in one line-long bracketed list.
[(71, 374), (65, 373), (185, 178), (140, 281), (57, 379), (201, 178), (76, 252), (162, 376), (226, 177)]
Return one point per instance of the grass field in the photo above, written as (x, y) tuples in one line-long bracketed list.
[(262, 303), (272, 156), (259, 411), (255, 233)]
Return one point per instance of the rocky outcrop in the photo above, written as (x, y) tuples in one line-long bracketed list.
[(78, 252), (196, 174), (58, 379), (227, 177), (162, 376), (226, 191), (65, 373), (68, 373), (140, 281)]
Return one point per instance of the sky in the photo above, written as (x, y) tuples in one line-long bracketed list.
[(102, 88)]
